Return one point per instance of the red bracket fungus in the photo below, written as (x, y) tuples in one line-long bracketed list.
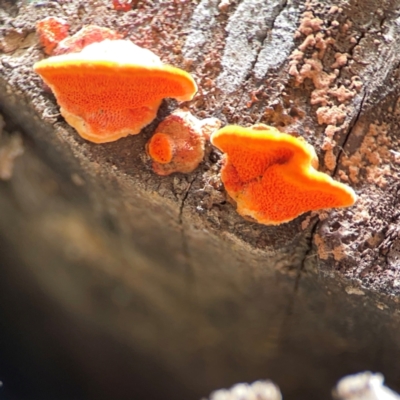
[(272, 176), (178, 142), (113, 88)]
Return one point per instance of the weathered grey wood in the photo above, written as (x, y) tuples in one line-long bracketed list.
[(126, 267)]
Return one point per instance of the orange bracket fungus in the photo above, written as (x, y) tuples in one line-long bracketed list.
[(178, 142), (272, 176), (113, 88)]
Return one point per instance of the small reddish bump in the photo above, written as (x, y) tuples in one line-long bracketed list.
[(272, 176), (112, 89), (51, 31), (160, 148), (178, 144), (122, 5)]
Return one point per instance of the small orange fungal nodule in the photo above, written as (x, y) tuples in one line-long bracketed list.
[(178, 143), (113, 88), (160, 148), (272, 176)]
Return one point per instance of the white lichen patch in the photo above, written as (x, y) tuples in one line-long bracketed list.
[(247, 28), (200, 30), (277, 46)]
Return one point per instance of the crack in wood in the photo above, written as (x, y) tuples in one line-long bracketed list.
[(301, 266), (353, 124), (259, 51), (265, 36), (247, 30)]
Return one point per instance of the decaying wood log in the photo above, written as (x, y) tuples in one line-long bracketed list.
[(154, 286)]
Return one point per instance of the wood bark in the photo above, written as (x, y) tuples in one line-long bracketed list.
[(120, 283)]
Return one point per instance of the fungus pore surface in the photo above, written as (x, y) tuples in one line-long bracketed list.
[(113, 88), (272, 176), (160, 148)]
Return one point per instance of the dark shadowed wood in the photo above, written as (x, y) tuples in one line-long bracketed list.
[(119, 283)]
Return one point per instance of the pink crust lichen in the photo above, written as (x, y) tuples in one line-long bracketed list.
[(179, 141), (372, 162), (332, 94)]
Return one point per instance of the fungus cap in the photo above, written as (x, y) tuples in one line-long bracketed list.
[(272, 177), (179, 141), (113, 88)]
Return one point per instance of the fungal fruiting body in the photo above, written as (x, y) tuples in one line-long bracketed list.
[(53, 35), (178, 142), (113, 88), (51, 32), (161, 147), (122, 5), (272, 176), (87, 35)]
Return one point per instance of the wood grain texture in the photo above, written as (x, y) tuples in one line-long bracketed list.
[(163, 269)]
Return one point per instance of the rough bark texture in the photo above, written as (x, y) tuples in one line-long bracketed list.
[(159, 277)]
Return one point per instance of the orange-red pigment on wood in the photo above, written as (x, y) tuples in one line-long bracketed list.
[(113, 88), (122, 5), (272, 176)]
